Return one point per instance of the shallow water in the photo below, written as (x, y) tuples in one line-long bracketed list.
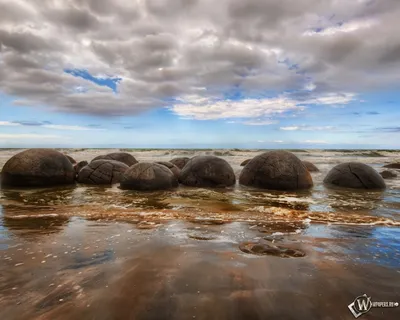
[(103, 253)]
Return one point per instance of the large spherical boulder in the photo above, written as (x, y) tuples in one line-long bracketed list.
[(354, 175), (207, 171), (245, 162), (276, 170), (175, 170), (395, 165), (180, 162), (37, 168), (102, 172), (123, 157), (310, 166), (145, 176)]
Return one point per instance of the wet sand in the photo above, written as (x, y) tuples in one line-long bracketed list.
[(184, 270)]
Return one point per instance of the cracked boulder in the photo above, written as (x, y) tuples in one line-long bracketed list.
[(123, 157), (310, 166), (354, 175), (102, 172), (207, 171), (37, 168), (180, 162), (276, 170), (145, 176), (175, 170)]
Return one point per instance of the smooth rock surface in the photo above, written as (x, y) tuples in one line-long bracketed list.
[(37, 168), (207, 171), (175, 170), (310, 166), (276, 170), (245, 162)]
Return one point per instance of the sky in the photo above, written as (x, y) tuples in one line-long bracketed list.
[(200, 74)]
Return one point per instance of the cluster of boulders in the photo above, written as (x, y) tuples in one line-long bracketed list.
[(274, 170)]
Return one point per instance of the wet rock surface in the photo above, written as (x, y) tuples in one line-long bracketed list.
[(387, 174), (175, 170), (146, 176), (276, 170), (354, 175), (37, 168), (180, 162), (123, 157), (207, 171), (310, 166), (102, 172), (263, 248)]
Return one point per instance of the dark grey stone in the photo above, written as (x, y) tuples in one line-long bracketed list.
[(123, 157), (180, 162), (102, 172)]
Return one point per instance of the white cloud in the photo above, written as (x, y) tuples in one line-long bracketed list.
[(68, 127), (7, 123), (168, 50), (307, 128), (260, 122), (278, 141)]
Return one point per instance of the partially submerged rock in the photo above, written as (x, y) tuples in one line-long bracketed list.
[(207, 171), (180, 162), (78, 167), (310, 166), (102, 172), (37, 168), (261, 248), (354, 175), (145, 176), (276, 170), (387, 174), (123, 157)]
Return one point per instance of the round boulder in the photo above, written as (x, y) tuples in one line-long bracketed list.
[(175, 170), (310, 166), (79, 166), (180, 162), (123, 157), (145, 176), (395, 165), (245, 162), (387, 174), (207, 171), (354, 175), (276, 170), (37, 168), (102, 172)]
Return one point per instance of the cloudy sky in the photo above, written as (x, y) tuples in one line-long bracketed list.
[(200, 73)]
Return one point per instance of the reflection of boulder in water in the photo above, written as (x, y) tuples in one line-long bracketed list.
[(348, 200), (354, 175), (22, 223), (261, 248), (353, 231), (281, 226)]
